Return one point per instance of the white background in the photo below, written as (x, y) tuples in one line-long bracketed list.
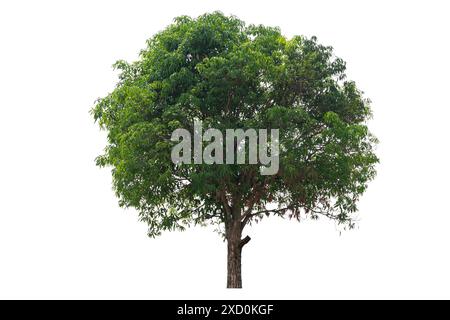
[(62, 234)]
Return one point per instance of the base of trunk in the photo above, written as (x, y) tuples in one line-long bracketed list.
[(234, 279)]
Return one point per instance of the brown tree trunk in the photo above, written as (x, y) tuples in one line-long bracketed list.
[(234, 279), (235, 245)]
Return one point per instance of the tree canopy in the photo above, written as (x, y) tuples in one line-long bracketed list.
[(231, 75)]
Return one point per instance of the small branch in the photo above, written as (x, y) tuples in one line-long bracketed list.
[(276, 211), (244, 241)]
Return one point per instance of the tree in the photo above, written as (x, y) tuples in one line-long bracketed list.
[(228, 74)]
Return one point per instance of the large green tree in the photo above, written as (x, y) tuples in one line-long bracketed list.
[(231, 75)]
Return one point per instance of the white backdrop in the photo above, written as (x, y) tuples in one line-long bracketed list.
[(62, 234)]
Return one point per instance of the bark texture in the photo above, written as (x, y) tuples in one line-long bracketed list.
[(235, 245)]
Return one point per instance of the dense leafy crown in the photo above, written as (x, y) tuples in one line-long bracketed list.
[(230, 75)]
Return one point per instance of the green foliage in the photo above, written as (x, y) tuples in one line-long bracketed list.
[(229, 75)]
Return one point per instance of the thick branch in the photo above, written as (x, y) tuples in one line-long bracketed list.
[(244, 241), (223, 199)]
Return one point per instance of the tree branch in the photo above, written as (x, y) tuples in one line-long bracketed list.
[(244, 241), (223, 199)]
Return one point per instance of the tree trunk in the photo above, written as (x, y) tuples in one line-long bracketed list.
[(234, 279), (235, 245)]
